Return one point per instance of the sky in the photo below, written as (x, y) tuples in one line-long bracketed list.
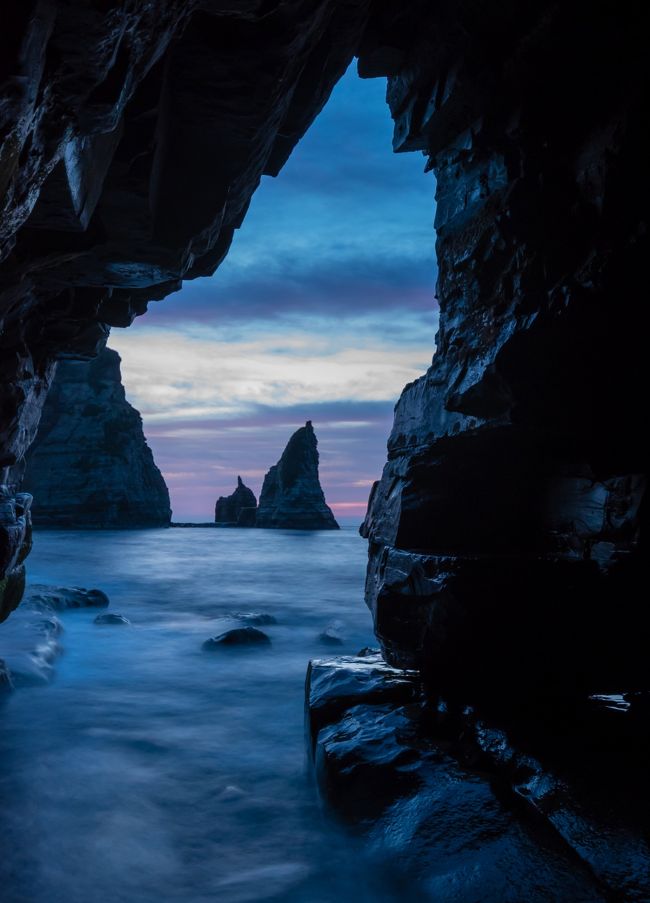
[(323, 310)]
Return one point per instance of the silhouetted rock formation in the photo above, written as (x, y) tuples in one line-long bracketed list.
[(238, 509), (291, 496), (90, 465)]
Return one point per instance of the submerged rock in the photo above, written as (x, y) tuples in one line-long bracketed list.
[(59, 598), (332, 635), (238, 509), (111, 619), (258, 618), (6, 682), (29, 644), (90, 466), (238, 636), (292, 497)]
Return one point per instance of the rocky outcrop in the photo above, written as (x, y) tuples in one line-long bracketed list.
[(291, 496), (545, 803), (90, 466), (238, 509), (15, 546)]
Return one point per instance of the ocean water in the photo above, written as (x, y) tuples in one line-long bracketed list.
[(150, 770)]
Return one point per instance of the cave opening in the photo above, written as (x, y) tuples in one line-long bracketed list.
[(505, 553), (324, 308)]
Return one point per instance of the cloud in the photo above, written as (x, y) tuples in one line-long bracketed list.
[(322, 311), (175, 377), (331, 286)]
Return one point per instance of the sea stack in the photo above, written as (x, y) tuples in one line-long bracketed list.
[(291, 496), (238, 509), (90, 466)]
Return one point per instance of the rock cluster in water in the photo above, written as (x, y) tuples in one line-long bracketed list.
[(292, 497), (238, 509), (90, 465)]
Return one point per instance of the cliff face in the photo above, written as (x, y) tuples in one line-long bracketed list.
[(90, 466), (505, 533), (291, 496), (237, 509)]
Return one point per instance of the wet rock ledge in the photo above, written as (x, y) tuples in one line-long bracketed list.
[(502, 804)]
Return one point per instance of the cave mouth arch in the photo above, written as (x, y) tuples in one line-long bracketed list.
[(323, 309), (505, 536), (129, 160)]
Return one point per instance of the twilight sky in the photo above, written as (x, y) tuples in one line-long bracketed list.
[(323, 310)]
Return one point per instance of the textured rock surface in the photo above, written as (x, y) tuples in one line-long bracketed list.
[(238, 509), (551, 806), (90, 465), (15, 546), (291, 496), (505, 533)]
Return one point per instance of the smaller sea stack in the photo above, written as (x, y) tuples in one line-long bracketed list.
[(238, 509), (292, 497)]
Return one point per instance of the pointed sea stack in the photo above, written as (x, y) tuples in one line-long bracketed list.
[(238, 509), (291, 496), (90, 466)]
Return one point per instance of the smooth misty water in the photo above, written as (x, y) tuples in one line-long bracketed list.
[(152, 771)]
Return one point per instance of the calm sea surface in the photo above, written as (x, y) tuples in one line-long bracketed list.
[(150, 770)]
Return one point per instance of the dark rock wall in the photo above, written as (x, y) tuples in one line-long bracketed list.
[(237, 509), (506, 528), (90, 466), (505, 533), (291, 496)]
